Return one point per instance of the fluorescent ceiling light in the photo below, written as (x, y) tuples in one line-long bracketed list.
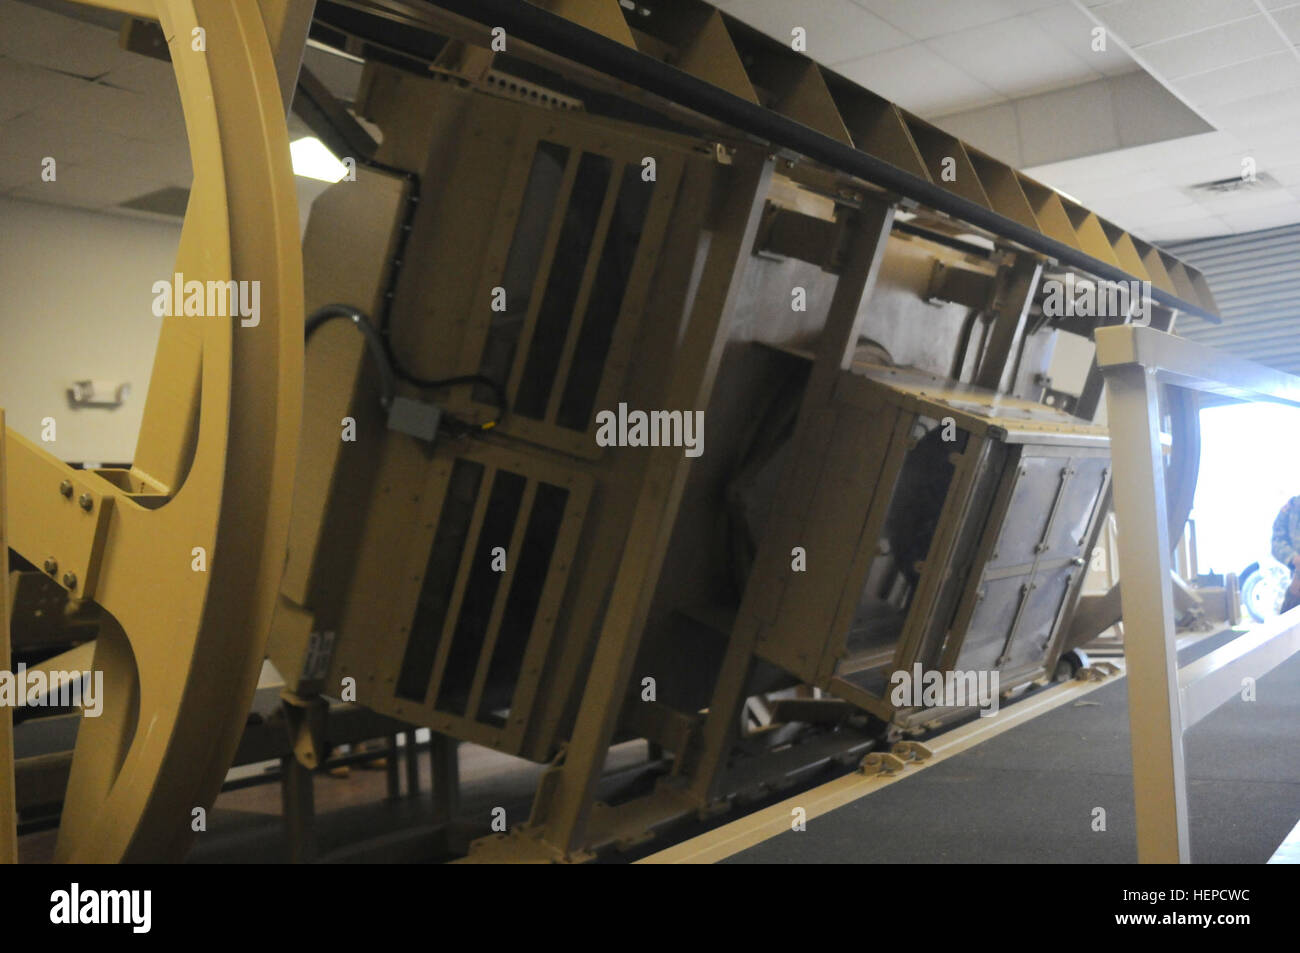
[(313, 161)]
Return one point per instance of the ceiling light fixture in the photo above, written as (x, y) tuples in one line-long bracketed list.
[(312, 160)]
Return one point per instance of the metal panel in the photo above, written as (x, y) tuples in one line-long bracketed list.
[(1136, 360), (476, 645), (758, 109), (8, 810), (1034, 567), (575, 259), (1256, 280)]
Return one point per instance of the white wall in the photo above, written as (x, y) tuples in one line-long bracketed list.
[(75, 303)]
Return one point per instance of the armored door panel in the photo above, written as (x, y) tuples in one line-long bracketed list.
[(584, 210), (997, 608), (1031, 642), (1080, 496), (1037, 483), (1032, 568), (496, 567)]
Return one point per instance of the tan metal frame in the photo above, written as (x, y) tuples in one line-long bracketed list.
[(734, 837), (719, 49), (1165, 700), (8, 796), (213, 469)]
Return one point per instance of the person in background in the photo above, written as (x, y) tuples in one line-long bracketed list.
[(1286, 548)]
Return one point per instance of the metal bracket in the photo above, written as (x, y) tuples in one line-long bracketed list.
[(912, 751), (881, 762), (306, 719), (1097, 672)]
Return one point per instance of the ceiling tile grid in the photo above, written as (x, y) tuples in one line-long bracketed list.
[(110, 119), (936, 57), (1237, 64), (1013, 73)]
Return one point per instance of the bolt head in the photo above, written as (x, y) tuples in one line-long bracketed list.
[(70, 580), (86, 501), (51, 566), (66, 488)]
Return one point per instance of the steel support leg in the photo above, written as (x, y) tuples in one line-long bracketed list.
[(299, 804), (8, 801), (629, 604), (1159, 777), (392, 770), (1015, 293), (444, 761), (835, 355), (412, 765)]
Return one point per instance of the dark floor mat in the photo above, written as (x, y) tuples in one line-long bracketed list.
[(1030, 795)]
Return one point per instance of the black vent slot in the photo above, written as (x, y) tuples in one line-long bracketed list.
[(439, 580), (562, 288), (480, 591), (616, 260), (529, 573), (526, 246)]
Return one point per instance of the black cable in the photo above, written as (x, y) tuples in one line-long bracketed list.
[(498, 392), (380, 348), (374, 344)]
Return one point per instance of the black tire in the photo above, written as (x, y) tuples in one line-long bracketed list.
[(1069, 665), (1252, 595)]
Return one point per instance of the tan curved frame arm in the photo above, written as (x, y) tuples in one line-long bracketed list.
[(213, 469)]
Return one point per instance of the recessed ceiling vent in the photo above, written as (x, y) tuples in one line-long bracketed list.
[(1237, 183)]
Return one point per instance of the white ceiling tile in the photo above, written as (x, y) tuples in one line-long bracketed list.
[(1223, 203), (1139, 22), (1194, 171), (1072, 28), (90, 186), (994, 129), (1275, 216), (1148, 114), (1243, 81), (1273, 139), (1208, 227), (1214, 48), (1090, 170), (1270, 158), (37, 36), (29, 138), (144, 74), (1113, 61), (1120, 188), (341, 75), (1287, 173), (837, 29), (1289, 21), (1164, 204), (919, 80), (1014, 58), (26, 86), (1279, 4), (1029, 6), (1068, 122), (1071, 170), (94, 106), (1280, 110), (923, 19), (1165, 155)]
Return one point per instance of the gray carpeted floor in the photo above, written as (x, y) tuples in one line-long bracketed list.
[(1028, 795)]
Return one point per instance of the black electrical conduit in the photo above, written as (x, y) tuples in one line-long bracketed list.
[(536, 26)]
